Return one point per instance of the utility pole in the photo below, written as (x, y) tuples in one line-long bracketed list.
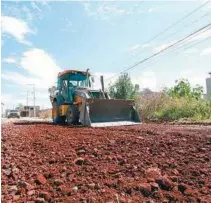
[(34, 103), (2, 109), (27, 98), (34, 98), (27, 101)]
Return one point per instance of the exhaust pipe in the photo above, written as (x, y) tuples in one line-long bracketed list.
[(102, 85)]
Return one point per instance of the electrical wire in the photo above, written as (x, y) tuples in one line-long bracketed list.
[(159, 52), (203, 40), (172, 25), (177, 22), (187, 25), (181, 46)]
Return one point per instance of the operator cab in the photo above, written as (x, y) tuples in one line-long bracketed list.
[(73, 82), (74, 78)]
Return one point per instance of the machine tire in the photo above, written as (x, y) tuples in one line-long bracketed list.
[(72, 115), (57, 119)]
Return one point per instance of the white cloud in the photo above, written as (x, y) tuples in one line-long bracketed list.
[(10, 60), (206, 51), (36, 11), (16, 28), (163, 46), (150, 10), (39, 63), (104, 12), (35, 6), (41, 67), (45, 4), (28, 13), (87, 7), (111, 9)]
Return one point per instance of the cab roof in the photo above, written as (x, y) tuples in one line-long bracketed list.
[(67, 72)]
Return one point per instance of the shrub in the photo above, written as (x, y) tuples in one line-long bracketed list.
[(149, 104), (178, 102), (166, 108)]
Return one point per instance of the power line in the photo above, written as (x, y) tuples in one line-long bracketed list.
[(174, 24), (181, 19), (188, 42), (197, 43), (166, 48), (153, 61), (187, 25)]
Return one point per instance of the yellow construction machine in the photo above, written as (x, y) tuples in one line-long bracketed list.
[(74, 101)]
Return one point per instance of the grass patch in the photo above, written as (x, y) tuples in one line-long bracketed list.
[(165, 108)]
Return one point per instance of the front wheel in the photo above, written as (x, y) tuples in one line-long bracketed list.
[(72, 115), (57, 119)]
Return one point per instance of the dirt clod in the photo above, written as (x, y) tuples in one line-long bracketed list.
[(41, 179), (142, 163), (145, 189)]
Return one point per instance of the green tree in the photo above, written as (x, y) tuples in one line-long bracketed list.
[(123, 88), (182, 88), (197, 91)]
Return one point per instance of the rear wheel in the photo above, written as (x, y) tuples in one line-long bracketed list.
[(57, 119), (72, 115)]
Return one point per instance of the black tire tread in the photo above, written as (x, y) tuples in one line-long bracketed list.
[(75, 114)]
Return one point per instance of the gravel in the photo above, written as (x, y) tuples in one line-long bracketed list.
[(42, 162)]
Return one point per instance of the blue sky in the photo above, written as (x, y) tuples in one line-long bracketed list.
[(39, 39)]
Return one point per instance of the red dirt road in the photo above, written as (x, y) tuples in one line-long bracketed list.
[(144, 163)]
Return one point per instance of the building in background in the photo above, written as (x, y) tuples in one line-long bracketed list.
[(208, 86), (28, 111)]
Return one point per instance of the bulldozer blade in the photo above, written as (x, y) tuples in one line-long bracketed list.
[(109, 112)]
